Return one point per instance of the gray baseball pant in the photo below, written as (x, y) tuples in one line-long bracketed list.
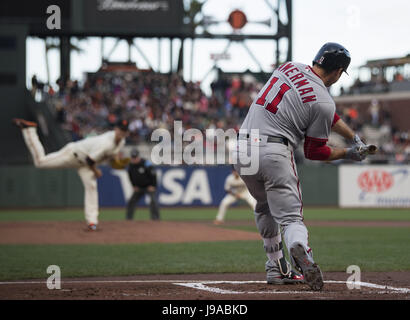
[(276, 187)]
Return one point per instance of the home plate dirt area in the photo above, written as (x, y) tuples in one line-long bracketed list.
[(246, 286), (241, 286)]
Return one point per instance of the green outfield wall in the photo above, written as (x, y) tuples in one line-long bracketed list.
[(319, 184), (26, 186)]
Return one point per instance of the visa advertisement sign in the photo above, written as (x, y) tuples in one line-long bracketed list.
[(374, 186), (176, 186)]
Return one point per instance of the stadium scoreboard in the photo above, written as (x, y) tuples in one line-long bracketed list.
[(134, 18)]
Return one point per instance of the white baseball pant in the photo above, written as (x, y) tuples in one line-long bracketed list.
[(229, 199), (64, 158)]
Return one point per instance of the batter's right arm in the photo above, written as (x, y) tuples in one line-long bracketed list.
[(341, 127), (321, 151), (337, 153), (323, 120)]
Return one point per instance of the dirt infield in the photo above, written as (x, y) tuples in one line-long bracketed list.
[(115, 232), (247, 286)]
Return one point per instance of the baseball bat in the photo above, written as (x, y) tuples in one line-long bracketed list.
[(372, 149), (369, 149)]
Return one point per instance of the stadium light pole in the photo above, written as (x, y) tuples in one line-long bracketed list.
[(129, 42), (171, 41), (65, 58), (102, 49), (159, 54)]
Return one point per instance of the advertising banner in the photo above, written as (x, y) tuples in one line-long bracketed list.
[(374, 186), (177, 186)]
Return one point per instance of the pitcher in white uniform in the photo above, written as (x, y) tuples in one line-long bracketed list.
[(236, 189), (83, 155)]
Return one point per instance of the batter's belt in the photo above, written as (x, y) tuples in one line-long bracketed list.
[(273, 139)]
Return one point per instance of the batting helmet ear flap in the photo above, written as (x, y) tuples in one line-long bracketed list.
[(332, 56)]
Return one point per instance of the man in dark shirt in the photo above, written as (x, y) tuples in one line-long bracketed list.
[(144, 180)]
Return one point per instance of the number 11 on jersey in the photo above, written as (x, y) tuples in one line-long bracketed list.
[(273, 105)]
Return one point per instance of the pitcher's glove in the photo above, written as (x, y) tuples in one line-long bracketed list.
[(119, 163)]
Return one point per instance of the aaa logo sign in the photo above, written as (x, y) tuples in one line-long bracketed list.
[(375, 181), (374, 186)]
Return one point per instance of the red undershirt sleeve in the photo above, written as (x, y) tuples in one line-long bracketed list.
[(335, 119), (316, 149), (321, 118)]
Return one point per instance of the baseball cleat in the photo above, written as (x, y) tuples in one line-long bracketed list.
[(311, 271), (281, 272), (92, 227), (22, 124), (291, 278), (218, 222)]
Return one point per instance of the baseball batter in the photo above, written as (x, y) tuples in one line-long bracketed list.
[(83, 155), (293, 105), (236, 189)]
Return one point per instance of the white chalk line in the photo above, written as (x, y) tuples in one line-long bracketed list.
[(372, 285), (96, 281), (202, 285), (135, 281)]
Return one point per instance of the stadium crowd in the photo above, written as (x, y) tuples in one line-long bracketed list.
[(151, 100), (378, 83), (375, 126)]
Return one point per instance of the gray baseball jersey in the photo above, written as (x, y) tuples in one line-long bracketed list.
[(292, 104)]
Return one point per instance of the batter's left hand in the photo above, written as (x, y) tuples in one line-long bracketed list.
[(357, 141), (355, 153)]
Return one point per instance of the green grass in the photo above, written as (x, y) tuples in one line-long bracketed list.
[(379, 214), (241, 213), (373, 249), (31, 261), (335, 248)]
